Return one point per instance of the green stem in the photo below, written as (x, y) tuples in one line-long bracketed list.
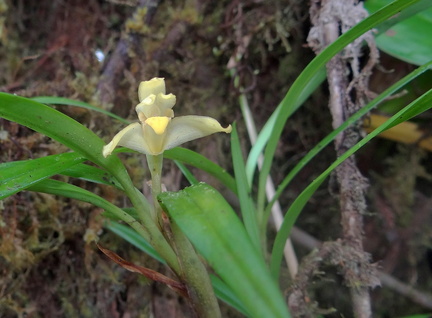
[(155, 166), (195, 276), (192, 271), (148, 227)]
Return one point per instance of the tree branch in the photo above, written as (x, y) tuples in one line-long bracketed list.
[(330, 18)]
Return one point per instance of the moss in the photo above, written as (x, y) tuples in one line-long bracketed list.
[(137, 22), (3, 30)]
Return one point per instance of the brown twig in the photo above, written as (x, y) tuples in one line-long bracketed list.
[(150, 274), (424, 299), (120, 58), (329, 19)]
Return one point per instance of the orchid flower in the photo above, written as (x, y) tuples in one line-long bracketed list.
[(158, 130)]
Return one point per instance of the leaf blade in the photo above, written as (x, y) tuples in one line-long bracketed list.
[(418, 106), (62, 128), (222, 291), (217, 233), (330, 137), (289, 103), (197, 160), (19, 175), (247, 207), (71, 102), (91, 174)]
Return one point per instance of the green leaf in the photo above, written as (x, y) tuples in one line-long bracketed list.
[(265, 133), (222, 291), (62, 128), (69, 132), (289, 103), (248, 210), (18, 175), (129, 210), (131, 236), (417, 316), (186, 172), (374, 5), (71, 102), (74, 192), (220, 237), (412, 90), (194, 159), (70, 191), (328, 139), (91, 174), (72, 134), (418, 106), (408, 40)]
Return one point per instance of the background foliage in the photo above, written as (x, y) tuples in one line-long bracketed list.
[(45, 248)]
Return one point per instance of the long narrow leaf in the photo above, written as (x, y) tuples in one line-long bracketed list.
[(60, 127), (248, 210), (131, 236), (374, 5), (194, 159), (72, 134), (69, 132), (218, 234), (265, 133), (411, 32), (323, 143), (70, 191), (186, 172), (92, 174), (418, 106), (71, 102), (289, 103), (18, 175), (222, 291)]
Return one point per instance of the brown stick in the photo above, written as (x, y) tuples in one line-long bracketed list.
[(328, 19), (149, 273), (120, 59), (424, 299)]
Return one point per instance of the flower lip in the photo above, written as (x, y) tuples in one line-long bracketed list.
[(158, 123)]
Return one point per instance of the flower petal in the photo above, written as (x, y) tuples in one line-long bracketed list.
[(165, 103), (186, 128), (130, 137), (154, 86), (153, 105), (147, 108)]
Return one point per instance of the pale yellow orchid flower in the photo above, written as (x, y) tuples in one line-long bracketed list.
[(158, 129)]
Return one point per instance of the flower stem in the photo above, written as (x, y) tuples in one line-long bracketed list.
[(155, 166), (192, 271), (195, 276), (146, 226)]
